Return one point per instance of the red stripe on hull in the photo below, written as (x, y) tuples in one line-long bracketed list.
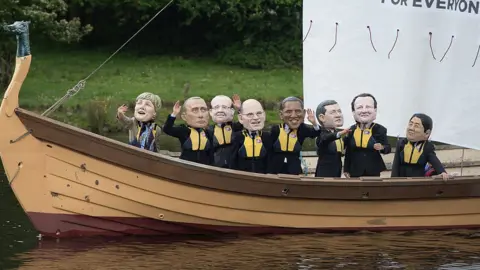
[(66, 226)]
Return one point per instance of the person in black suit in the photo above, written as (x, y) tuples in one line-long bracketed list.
[(195, 141), (366, 141), (222, 113), (414, 152), (251, 147), (289, 136), (330, 144)]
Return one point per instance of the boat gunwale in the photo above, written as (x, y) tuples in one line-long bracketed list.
[(291, 186)]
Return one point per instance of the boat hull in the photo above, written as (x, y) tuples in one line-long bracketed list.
[(99, 193), (74, 226)]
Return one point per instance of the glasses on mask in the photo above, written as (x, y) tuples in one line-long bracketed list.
[(223, 107), (252, 115)]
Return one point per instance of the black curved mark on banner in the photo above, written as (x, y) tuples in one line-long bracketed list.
[(308, 32), (371, 41), (451, 41), (475, 61), (431, 49), (395, 43), (336, 32)]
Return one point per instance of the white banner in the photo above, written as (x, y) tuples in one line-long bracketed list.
[(412, 55)]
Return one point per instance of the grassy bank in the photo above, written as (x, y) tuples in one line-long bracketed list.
[(125, 76)]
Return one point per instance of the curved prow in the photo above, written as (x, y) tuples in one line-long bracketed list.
[(22, 66)]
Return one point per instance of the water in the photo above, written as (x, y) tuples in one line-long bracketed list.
[(20, 249)]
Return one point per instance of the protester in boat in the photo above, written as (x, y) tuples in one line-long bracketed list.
[(222, 112), (366, 141), (251, 146), (330, 145), (143, 132), (415, 152), (289, 136), (195, 141)]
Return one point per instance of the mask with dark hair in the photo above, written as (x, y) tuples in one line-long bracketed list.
[(292, 112), (419, 127), (329, 114), (364, 108)]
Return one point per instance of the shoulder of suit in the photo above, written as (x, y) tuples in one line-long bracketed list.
[(401, 142), (379, 126), (429, 146)]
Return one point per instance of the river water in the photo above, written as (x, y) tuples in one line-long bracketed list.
[(20, 249)]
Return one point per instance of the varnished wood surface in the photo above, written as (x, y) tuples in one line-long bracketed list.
[(173, 169)]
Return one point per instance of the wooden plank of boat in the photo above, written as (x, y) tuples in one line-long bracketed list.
[(185, 172)]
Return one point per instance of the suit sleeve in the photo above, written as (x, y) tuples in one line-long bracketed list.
[(274, 133), (126, 122), (211, 150), (396, 159), (237, 126), (268, 143), (236, 142), (175, 131), (348, 150), (381, 137), (325, 138), (433, 159), (308, 131)]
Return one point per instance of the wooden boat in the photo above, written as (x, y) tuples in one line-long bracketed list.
[(71, 182)]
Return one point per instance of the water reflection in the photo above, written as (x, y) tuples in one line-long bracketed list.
[(419, 250)]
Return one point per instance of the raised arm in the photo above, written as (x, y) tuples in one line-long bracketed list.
[(310, 131), (175, 131), (122, 118), (327, 137)]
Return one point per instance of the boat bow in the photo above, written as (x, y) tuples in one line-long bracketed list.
[(22, 66)]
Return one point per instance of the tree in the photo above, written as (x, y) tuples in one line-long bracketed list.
[(47, 17)]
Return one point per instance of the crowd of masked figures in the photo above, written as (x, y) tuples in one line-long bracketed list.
[(247, 146)]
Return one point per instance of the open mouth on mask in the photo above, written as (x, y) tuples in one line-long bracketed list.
[(141, 112), (221, 114)]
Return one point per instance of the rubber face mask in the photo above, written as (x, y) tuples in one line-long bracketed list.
[(333, 117), (416, 131), (222, 111), (292, 114), (364, 110), (196, 113), (253, 116), (144, 110)]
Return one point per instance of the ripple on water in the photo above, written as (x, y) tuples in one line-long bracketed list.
[(417, 250)]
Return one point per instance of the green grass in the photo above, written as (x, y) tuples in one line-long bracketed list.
[(126, 76)]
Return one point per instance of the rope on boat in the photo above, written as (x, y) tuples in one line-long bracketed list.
[(81, 84)]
